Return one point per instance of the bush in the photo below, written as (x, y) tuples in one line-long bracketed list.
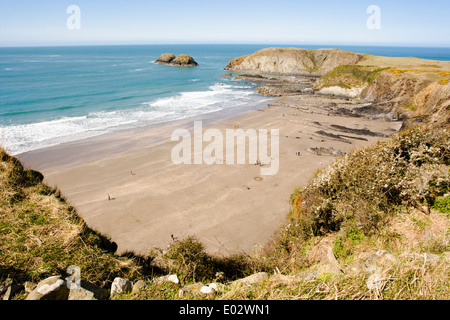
[(189, 260), (361, 189)]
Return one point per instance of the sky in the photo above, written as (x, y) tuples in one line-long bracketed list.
[(101, 22)]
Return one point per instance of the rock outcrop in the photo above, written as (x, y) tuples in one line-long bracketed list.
[(294, 61), (165, 58), (183, 60)]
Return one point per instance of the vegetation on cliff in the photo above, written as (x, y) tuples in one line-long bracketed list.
[(349, 76), (41, 235), (362, 190)]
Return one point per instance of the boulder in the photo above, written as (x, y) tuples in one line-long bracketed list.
[(121, 286), (88, 291), (53, 288), (139, 286)]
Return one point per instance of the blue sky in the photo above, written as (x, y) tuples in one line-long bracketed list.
[(403, 23)]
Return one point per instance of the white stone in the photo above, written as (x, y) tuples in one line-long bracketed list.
[(120, 286), (206, 290), (173, 278)]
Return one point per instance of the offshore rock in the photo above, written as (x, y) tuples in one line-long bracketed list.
[(183, 60)]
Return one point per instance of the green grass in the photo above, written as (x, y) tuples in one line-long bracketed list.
[(349, 76), (343, 245), (442, 204)]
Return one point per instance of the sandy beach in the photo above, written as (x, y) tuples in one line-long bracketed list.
[(127, 187)]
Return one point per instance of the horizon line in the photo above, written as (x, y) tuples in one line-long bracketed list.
[(224, 43)]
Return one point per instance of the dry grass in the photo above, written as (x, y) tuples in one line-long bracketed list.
[(412, 279), (41, 235)]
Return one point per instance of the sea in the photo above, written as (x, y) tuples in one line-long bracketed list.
[(55, 95)]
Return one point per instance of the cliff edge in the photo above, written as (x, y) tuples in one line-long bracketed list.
[(294, 61)]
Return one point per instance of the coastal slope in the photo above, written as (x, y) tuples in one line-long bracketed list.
[(410, 89)]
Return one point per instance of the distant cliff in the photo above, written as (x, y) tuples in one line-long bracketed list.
[(294, 61)]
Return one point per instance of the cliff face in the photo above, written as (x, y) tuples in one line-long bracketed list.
[(413, 95), (294, 61)]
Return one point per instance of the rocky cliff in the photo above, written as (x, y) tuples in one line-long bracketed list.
[(414, 95), (294, 61), (412, 89)]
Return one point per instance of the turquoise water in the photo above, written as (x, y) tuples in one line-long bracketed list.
[(52, 95)]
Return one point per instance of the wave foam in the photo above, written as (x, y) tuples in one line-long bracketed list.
[(17, 139)]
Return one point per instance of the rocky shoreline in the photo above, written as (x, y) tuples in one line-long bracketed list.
[(408, 89)]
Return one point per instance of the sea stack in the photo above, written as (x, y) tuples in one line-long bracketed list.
[(183, 60)]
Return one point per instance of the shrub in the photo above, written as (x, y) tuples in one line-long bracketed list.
[(362, 188), (190, 260)]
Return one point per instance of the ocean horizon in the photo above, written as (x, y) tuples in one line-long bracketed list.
[(54, 95)]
